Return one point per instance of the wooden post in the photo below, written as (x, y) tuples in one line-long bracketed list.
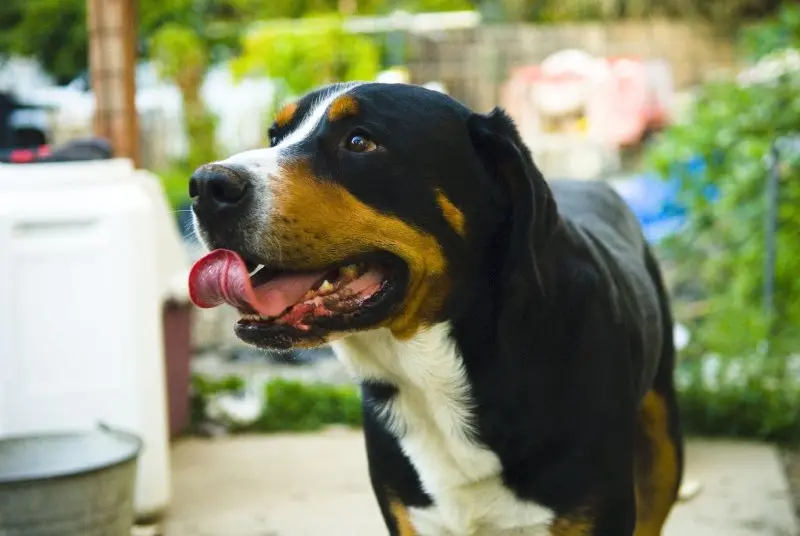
[(112, 61)]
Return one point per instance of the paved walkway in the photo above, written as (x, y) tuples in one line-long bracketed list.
[(317, 485)]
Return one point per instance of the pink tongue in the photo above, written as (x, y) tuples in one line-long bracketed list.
[(222, 277)]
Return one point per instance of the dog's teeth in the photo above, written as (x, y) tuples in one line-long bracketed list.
[(256, 270), (350, 271), (326, 286)]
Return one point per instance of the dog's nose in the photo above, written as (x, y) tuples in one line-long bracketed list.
[(216, 188)]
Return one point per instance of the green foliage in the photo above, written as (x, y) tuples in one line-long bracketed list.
[(52, 31), (751, 397), (279, 9), (175, 181), (291, 406), (297, 406), (203, 388), (55, 31), (725, 14), (727, 385), (201, 127), (206, 387), (721, 252), (419, 6), (779, 33), (307, 55), (179, 52), (182, 57), (155, 13)]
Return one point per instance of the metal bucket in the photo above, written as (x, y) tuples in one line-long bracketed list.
[(70, 484)]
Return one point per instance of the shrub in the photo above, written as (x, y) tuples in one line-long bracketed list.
[(175, 181), (291, 406), (721, 251), (308, 53), (298, 406), (203, 388), (182, 57), (728, 384), (752, 397)]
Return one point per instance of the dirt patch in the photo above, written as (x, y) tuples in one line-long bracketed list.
[(791, 462)]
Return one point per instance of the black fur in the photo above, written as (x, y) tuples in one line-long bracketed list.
[(562, 322), (556, 303)]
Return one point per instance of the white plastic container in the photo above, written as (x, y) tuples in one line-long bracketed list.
[(80, 310)]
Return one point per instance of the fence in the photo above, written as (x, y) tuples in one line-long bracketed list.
[(473, 64)]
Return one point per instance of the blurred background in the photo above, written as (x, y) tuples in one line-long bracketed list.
[(689, 108)]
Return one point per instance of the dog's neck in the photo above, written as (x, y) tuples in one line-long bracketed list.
[(431, 413), (409, 363), (432, 406)]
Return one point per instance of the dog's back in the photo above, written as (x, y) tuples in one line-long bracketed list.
[(515, 350), (595, 205), (599, 221)]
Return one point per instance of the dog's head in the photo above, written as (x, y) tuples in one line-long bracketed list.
[(375, 206)]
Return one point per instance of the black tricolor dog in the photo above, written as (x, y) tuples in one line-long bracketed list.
[(513, 338)]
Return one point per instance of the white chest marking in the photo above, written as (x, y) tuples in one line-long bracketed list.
[(431, 417)]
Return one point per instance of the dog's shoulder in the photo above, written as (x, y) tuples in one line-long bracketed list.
[(599, 229), (596, 207)]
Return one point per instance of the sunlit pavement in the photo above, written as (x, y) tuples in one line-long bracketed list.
[(317, 485)]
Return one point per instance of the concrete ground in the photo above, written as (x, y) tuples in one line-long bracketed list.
[(312, 485)]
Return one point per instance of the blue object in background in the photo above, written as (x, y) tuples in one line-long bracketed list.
[(655, 201)]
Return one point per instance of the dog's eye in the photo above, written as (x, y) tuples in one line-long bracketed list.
[(272, 136), (360, 143)]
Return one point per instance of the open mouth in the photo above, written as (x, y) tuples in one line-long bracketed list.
[(286, 308)]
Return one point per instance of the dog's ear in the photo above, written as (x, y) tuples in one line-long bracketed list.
[(534, 215)]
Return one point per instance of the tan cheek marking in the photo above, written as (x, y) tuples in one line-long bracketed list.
[(451, 213), (342, 107), (285, 114), (318, 222)]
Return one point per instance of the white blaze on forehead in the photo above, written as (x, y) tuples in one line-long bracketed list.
[(314, 116), (264, 162)]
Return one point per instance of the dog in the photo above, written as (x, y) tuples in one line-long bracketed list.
[(512, 338)]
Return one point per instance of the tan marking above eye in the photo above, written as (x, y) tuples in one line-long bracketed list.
[(330, 224), (451, 213), (285, 114), (341, 107)]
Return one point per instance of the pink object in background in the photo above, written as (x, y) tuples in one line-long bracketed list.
[(620, 109), (619, 99)]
